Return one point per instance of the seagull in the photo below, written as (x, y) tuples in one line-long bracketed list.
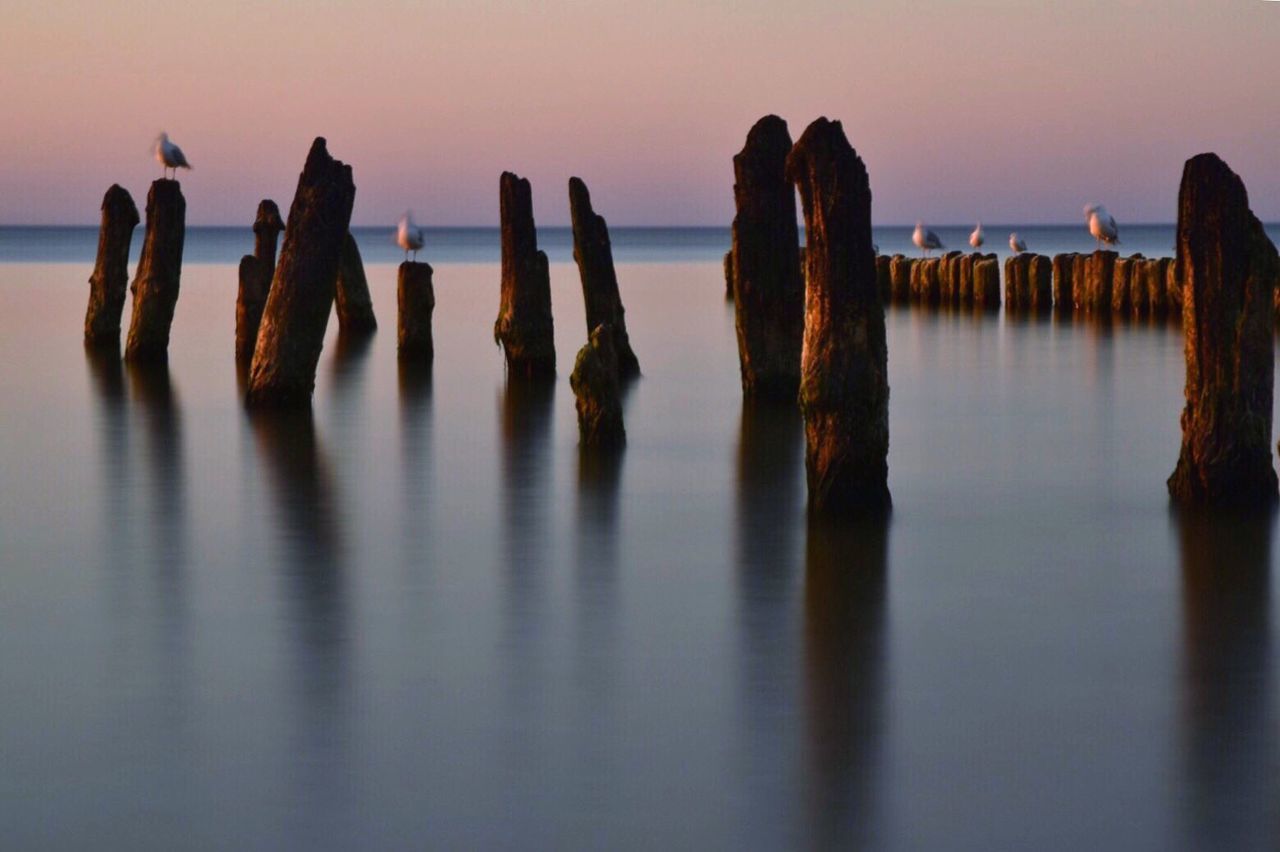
[(409, 236), (1016, 244), (1102, 225), (925, 239), (977, 238), (170, 155)]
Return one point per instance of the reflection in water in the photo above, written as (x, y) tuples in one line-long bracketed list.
[(415, 442), (1230, 727), (153, 391), (349, 356), (596, 575), (106, 375), (844, 600)]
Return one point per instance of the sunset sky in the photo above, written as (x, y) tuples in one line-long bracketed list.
[(962, 109)]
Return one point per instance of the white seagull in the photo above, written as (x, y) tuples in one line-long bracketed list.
[(170, 155), (1017, 245), (1102, 225), (409, 236), (977, 238), (925, 239)]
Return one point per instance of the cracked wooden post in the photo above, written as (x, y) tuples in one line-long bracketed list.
[(256, 271), (767, 280), (594, 255), (1039, 284), (415, 302), (524, 326), (597, 392), (110, 277), (1229, 270), (844, 388), (155, 284), (283, 372), (354, 304)]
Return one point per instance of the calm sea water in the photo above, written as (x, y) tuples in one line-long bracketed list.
[(418, 618)]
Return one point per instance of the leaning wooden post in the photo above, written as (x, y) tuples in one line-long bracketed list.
[(1229, 270), (283, 372), (524, 327), (767, 279), (155, 285), (595, 386), (416, 300), (256, 271), (844, 386), (110, 277), (594, 255), (353, 302)]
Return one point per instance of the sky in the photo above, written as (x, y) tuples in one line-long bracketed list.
[(963, 110)]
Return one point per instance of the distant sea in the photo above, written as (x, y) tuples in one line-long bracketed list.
[(52, 244)]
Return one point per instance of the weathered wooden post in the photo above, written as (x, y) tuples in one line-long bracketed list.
[(728, 275), (767, 280), (110, 277), (1016, 292), (1157, 286), (1063, 280), (1124, 278), (595, 386), (1229, 271), (354, 304), (1039, 284), (416, 301), (844, 387), (283, 373), (986, 283), (925, 287), (155, 284), (884, 282), (1099, 272), (524, 326), (594, 255), (256, 271), (900, 278)]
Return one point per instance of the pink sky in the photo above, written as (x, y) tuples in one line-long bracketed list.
[(986, 109)]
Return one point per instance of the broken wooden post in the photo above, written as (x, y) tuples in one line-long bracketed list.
[(524, 327), (110, 277), (354, 304), (594, 255), (595, 386), (256, 271), (767, 280), (1039, 284), (155, 284), (416, 301), (1063, 281), (900, 279), (844, 389), (283, 372), (1229, 270)]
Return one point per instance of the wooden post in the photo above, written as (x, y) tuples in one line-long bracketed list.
[(354, 304), (256, 271), (110, 276), (155, 285), (594, 255), (524, 326), (416, 300), (595, 386), (283, 373)]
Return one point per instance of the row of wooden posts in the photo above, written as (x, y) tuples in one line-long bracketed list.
[(810, 330)]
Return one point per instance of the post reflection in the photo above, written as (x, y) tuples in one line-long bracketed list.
[(596, 574), (157, 402), (349, 356), (311, 545), (1229, 722), (844, 656), (106, 377), (415, 442)]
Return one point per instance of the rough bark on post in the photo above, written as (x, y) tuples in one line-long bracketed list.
[(155, 284), (900, 278), (256, 271), (416, 301), (110, 277), (1039, 284), (844, 387), (354, 304), (595, 386), (768, 285), (594, 255), (1229, 270), (283, 372), (1063, 281), (524, 326), (1124, 279)]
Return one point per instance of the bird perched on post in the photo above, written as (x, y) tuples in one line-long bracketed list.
[(1102, 225), (925, 239), (170, 155), (1017, 245), (409, 236), (977, 238)]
